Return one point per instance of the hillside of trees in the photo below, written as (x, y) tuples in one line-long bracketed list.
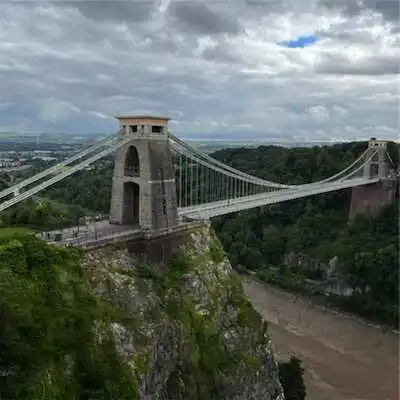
[(315, 229), (260, 240), (83, 194), (47, 314)]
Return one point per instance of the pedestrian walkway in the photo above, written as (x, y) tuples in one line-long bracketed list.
[(89, 232)]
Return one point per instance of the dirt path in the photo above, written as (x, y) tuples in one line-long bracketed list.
[(344, 359)]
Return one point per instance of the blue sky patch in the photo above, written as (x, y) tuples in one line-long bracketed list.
[(301, 41)]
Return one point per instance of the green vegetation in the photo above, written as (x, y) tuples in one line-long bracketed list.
[(202, 334), (49, 346), (42, 214), (291, 377), (56, 340), (290, 243), (216, 251), (90, 189), (286, 244), (83, 194)]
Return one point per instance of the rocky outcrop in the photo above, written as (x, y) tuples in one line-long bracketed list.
[(327, 274), (186, 331), (303, 261)]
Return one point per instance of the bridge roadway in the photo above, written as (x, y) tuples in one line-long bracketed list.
[(214, 209), (88, 232), (102, 233), (92, 235)]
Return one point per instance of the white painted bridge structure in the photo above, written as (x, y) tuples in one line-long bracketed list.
[(205, 187)]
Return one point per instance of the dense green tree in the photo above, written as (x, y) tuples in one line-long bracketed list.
[(90, 189), (43, 214), (273, 245), (46, 326), (291, 377), (316, 228)]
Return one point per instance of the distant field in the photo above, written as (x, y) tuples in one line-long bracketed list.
[(6, 135), (7, 232), (47, 138), (15, 169)]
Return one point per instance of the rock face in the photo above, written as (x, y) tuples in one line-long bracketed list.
[(329, 280), (186, 330)]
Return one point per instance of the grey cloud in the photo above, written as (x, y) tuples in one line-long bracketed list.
[(199, 18), (221, 53), (61, 81), (388, 8), (164, 44), (373, 66), (346, 36), (100, 10), (258, 8)]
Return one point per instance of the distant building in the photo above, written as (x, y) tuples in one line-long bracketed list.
[(9, 163), (47, 159)]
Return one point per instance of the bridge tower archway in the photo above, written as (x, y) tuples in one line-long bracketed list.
[(131, 203), (371, 198), (143, 189), (132, 165), (378, 163)]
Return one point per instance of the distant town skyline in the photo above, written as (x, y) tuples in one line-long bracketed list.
[(303, 71)]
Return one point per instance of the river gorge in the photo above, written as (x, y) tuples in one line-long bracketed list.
[(344, 358)]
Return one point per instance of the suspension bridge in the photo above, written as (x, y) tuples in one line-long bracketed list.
[(160, 180)]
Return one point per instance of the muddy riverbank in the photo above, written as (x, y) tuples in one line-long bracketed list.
[(344, 358)]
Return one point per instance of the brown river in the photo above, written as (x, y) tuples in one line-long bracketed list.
[(343, 357)]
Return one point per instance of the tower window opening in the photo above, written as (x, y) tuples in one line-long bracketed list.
[(156, 129), (131, 167), (134, 128), (164, 200)]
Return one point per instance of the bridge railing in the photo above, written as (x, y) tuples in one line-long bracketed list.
[(85, 239), (121, 233), (199, 181), (132, 171), (89, 232)]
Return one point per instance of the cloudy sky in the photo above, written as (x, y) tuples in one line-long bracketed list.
[(228, 69)]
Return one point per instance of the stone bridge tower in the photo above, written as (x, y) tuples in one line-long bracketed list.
[(371, 198), (143, 188), (378, 165)]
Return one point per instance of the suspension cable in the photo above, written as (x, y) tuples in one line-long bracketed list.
[(193, 157), (50, 182), (257, 180), (236, 172), (341, 172), (390, 159), (210, 206), (181, 148), (107, 141)]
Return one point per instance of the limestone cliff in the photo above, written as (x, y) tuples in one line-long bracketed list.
[(185, 331)]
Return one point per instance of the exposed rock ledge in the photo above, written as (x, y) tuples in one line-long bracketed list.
[(187, 332)]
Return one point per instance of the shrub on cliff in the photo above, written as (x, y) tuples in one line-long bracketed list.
[(50, 325), (291, 377)]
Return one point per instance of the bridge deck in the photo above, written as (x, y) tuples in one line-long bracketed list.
[(102, 233), (214, 209), (88, 232)]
